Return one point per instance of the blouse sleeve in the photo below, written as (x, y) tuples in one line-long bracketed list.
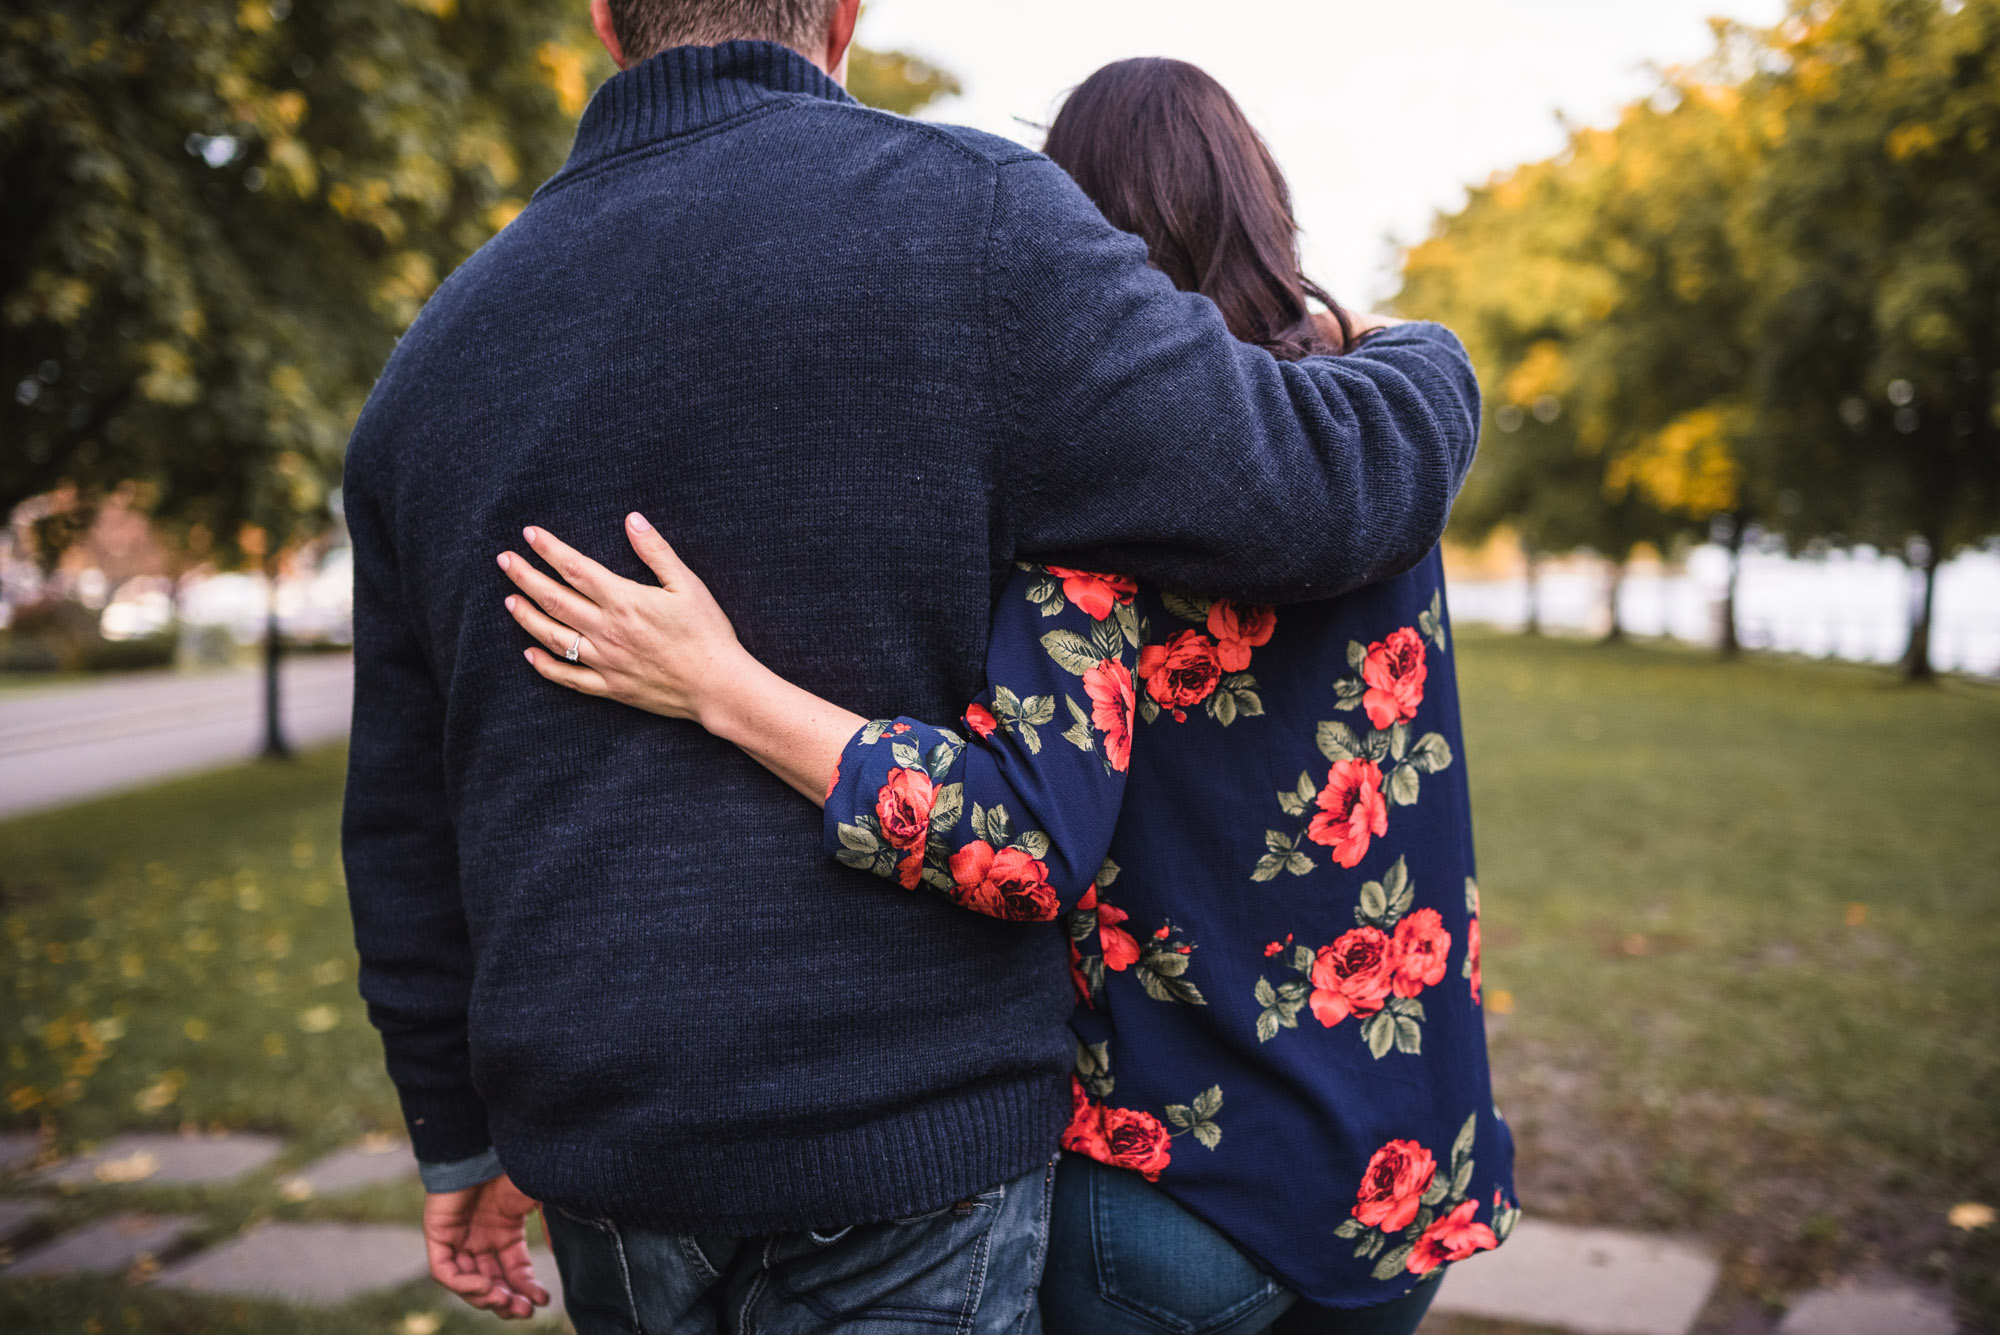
[(1011, 816)]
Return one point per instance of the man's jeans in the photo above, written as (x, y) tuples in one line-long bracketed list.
[(971, 1268)]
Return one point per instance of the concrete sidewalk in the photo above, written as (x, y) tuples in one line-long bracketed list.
[(76, 741)]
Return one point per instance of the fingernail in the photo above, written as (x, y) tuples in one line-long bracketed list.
[(528, 654), (638, 522), (506, 562), (510, 604), (530, 534)]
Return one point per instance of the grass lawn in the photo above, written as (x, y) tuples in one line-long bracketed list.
[(1743, 921), (1741, 925)]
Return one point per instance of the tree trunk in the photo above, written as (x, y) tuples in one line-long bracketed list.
[(1727, 643), (1615, 628), (275, 745), (1917, 658), (1533, 626)]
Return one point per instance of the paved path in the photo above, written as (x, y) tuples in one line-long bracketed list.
[(73, 742)]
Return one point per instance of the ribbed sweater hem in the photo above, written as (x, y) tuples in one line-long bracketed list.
[(917, 1160)]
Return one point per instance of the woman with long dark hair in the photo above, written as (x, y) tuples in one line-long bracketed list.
[(1252, 822)]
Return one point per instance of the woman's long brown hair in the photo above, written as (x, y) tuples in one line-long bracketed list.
[(1164, 151)]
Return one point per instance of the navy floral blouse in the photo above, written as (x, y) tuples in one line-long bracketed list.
[(1254, 825)]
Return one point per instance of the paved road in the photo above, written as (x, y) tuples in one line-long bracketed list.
[(72, 742)]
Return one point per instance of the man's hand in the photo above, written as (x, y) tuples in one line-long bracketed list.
[(478, 1245)]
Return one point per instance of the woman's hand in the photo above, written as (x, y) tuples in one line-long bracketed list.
[(667, 650)]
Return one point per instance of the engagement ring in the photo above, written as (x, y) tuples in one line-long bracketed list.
[(571, 655)]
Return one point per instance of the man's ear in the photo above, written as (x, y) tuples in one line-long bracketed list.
[(839, 36), (600, 19)]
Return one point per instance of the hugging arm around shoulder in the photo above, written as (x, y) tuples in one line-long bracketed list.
[(1142, 437), (1012, 816)]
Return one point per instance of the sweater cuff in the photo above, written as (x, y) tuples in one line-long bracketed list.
[(446, 1125), (464, 1173)]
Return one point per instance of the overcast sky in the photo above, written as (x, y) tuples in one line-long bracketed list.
[(1380, 113)]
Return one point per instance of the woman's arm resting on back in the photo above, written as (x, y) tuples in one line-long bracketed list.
[(1013, 823)]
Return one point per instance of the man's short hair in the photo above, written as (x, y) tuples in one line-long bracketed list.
[(647, 27)]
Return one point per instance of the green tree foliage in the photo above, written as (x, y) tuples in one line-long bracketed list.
[(1871, 239), (1769, 293), (221, 213), (895, 80), (219, 216)]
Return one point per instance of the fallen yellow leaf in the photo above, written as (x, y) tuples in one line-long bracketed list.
[(134, 1167), (1971, 1215)]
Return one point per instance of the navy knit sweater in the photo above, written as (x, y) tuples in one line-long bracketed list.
[(851, 365)]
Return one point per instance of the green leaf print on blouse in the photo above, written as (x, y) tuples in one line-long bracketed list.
[(1373, 973), (1371, 770), (1097, 659), (1205, 667), (1411, 1218), (1000, 873), (1097, 942), (1129, 1137)]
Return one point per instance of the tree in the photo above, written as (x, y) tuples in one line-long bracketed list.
[(220, 215), (1869, 236), (1518, 273)]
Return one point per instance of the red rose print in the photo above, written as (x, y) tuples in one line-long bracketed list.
[(1121, 951), (1008, 884), (1353, 975), (980, 719), (903, 805), (1472, 957), (1395, 1180), (1238, 630), (1181, 672), (832, 783), (1109, 687), (1076, 977), (1351, 810), (1272, 949), (1095, 594), (1395, 673), (1451, 1238), (1085, 1133), (1136, 1140), (1421, 944)]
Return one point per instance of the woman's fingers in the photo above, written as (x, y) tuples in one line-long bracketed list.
[(573, 675), (550, 633), (583, 574), (559, 602), (655, 551)]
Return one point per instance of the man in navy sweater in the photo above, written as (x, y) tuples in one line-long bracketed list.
[(852, 365)]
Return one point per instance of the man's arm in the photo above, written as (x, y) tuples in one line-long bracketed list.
[(401, 855), (1144, 438)]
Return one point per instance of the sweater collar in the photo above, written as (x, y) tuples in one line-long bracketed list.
[(689, 87)]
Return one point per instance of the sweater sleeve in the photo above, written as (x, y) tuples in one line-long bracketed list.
[(1145, 438), (401, 855), (1011, 818)]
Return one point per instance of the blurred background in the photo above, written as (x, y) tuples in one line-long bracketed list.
[(1726, 584)]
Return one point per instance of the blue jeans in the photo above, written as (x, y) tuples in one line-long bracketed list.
[(1124, 1259), (970, 1268)]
